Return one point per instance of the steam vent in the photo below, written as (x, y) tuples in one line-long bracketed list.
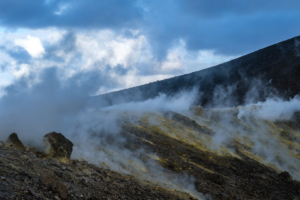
[(230, 132)]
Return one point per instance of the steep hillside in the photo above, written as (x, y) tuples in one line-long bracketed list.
[(231, 153), (276, 67)]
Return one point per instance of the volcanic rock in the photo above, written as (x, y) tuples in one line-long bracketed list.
[(285, 176), (15, 141), (57, 146)]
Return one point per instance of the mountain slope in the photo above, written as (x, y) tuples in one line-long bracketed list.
[(276, 67)]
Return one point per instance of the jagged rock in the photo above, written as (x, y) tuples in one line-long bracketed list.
[(285, 176), (57, 146), (15, 141), (61, 189)]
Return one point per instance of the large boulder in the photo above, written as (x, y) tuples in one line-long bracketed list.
[(285, 176), (57, 146), (15, 141)]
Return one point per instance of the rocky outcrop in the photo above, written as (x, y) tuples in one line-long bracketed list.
[(15, 141), (285, 176), (58, 146)]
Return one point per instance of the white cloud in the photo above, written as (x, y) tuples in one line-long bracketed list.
[(173, 62), (32, 45), (131, 60), (180, 59), (112, 49), (19, 71)]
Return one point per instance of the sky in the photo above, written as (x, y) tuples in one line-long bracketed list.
[(108, 45)]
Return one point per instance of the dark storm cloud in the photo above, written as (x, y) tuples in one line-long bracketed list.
[(77, 13), (229, 27), (245, 34), (232, 27), (218, 8)]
